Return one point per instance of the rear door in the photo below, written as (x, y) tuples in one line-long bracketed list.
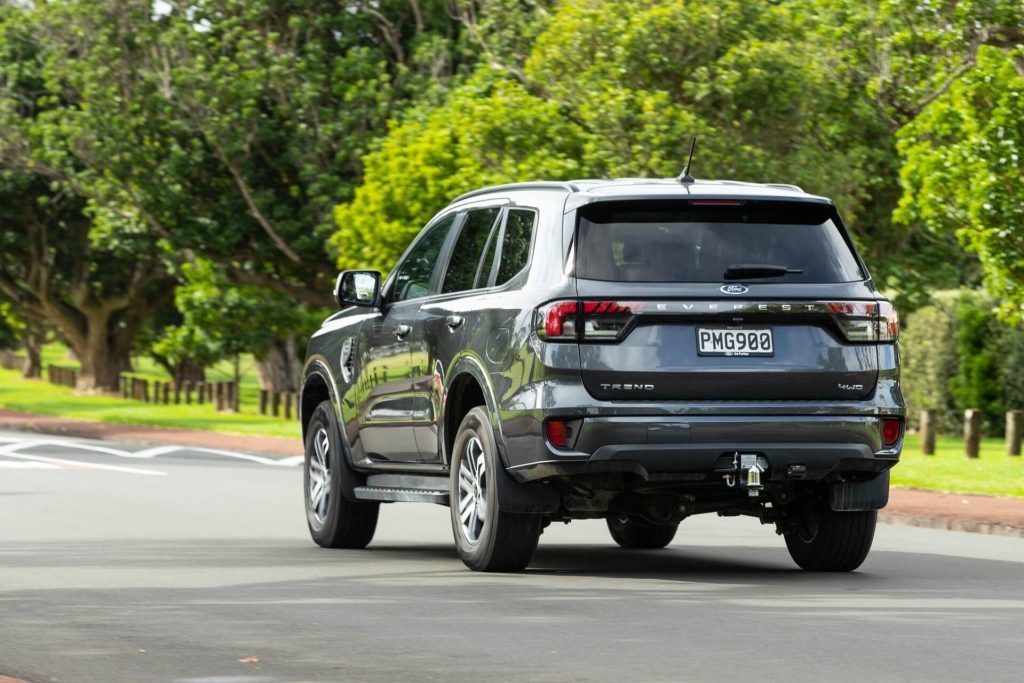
[(723, 300), (441, 322)]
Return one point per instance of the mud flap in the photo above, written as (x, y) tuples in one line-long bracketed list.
[(527, 498), (852, 496)]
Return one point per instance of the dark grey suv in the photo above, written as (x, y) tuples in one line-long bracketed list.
[(634, 350)]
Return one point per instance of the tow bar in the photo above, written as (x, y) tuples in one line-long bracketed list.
[(747, 469)]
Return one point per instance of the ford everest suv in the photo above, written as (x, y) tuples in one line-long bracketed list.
[(634, 350)]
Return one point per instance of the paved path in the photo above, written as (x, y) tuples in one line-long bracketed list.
[(135, 564)]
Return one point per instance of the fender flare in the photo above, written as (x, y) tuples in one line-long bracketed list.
[(317, 366), (515, 497)]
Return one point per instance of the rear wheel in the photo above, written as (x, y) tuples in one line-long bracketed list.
[(334, 521), (830, 541), (488, 539), (630, 533)]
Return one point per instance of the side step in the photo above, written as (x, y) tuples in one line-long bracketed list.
[(404, 488)]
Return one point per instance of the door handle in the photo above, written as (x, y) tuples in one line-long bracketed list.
[(454, 321), (402, 330)]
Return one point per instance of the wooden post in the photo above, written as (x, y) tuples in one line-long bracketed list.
[(125, 387), (972, 432), (927, 429), (200, 393), (188, 392), (177, 394), (167, 393), (288, 405), (74, 378), (220, 395), (275, 404), (209, 391), (232, 397), (145, 390), (1013, 431), (263, 401)]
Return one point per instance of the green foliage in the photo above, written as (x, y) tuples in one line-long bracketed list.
[(957, 354), (221, 320), (962, 172), (929, 362), (979, 340), (613, 89), (491, 130), (9, 326)]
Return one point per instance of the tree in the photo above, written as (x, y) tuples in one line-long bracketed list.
[(616, 89), (224, 321), (963, 173)]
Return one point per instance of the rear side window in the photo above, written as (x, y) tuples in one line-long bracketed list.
[(515, 244), (417, 270), (464, 264), (659, 241)]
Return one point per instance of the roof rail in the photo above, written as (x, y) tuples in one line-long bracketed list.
[(539, 185)]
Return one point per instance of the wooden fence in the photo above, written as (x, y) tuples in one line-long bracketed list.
[(972, 432), (8, 361)]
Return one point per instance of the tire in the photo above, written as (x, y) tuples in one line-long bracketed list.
[(629, 533), (487, 539), (334, 521), (829, 541)]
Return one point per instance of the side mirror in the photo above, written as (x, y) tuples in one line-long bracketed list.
[(357, 288)]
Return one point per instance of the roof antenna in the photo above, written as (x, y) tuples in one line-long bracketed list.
[(685, 178)]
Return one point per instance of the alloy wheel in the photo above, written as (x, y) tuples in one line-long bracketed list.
[(473, 489)]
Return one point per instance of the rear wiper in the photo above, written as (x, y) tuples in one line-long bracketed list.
[(745, 271)]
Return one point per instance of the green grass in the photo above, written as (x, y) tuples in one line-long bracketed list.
[(146, 368), (994, 473), (41, 398)]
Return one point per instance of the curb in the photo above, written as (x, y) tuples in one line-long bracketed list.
[(947, 524)]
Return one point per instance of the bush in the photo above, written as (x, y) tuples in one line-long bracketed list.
[(957, 354), (928, 350)]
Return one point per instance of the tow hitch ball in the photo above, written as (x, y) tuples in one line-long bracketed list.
[(747, 469)]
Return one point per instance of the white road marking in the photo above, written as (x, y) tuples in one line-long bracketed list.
[(22, 465), (13, 448), (79, 463)]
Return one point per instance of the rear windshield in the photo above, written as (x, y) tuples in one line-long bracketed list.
[(680, 242)]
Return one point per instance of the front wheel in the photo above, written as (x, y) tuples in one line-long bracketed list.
[(830, 541), (487, 538), (334, 521), (629, 533)]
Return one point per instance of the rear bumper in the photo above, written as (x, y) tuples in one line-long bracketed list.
[(701, 448)]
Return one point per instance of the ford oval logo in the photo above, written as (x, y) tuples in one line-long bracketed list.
[(734, 289)]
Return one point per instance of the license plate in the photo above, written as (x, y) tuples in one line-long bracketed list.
[(719, 342)]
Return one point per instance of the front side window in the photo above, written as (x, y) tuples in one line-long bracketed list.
[(464, 264), (417, 270)]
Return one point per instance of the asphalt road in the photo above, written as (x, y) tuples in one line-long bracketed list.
[(178, 565)]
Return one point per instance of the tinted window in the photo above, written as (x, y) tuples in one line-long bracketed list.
[(515, 244), (415, 273), (466, 256), (678, 242)]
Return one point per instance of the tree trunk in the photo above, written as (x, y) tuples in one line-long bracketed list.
[(187, 370), (104, 356), (33, 342), (279, 368)]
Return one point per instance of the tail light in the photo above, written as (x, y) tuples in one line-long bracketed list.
[(866, 321), (557, 321), (888, 322), (586, 320), (891, 429), (562, 433)]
